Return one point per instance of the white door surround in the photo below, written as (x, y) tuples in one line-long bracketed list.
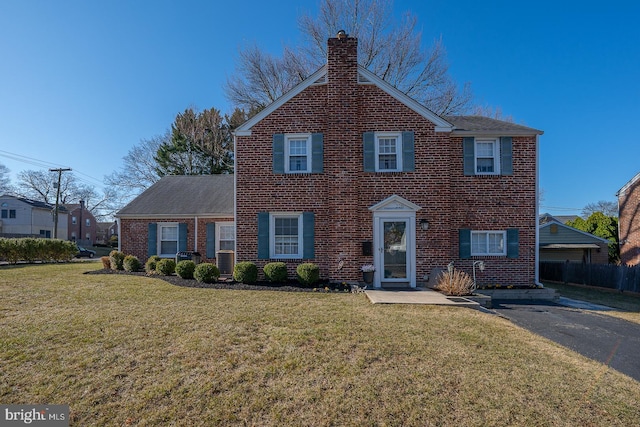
[(394, 242)]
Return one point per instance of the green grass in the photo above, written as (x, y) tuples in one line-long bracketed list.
[(126, 350), (627, 305)]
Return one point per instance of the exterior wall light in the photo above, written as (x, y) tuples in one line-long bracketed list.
[(424, 224)]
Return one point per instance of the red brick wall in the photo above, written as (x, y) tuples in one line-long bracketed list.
[(134, 235), (341, 196), (629, 225)]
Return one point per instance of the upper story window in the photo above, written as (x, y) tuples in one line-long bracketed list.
[(8, 213), (388, 152), (87, 222), (74, 220), (487, 156), (298, 153)]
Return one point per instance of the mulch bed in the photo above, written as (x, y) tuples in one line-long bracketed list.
[(225, 283)]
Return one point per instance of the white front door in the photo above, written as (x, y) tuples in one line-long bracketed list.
[(394, 242)]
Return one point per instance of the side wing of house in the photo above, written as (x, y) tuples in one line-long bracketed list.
[(629, 221)]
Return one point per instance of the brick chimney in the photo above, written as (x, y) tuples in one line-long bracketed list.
[(342, 62)]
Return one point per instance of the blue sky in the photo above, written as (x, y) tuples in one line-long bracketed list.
[(81, 82)]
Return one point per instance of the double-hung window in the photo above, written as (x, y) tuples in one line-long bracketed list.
[(167, 239), (298, 153), (487, 156), (488, 243), (287, 236), (388, 152), (227, 240)]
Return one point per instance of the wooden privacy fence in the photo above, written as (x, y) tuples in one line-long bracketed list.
[(609, 276)]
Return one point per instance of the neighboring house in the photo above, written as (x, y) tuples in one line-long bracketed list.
[(345, 170), (180, 213), (82, 225), (105, 231), (560, 242), (20, 217), (629, 221)]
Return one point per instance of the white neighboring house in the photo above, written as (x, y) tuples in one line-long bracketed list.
[(20, 217)]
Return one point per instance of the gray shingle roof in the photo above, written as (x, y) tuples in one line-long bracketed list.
[(184, 195), (479, 125)]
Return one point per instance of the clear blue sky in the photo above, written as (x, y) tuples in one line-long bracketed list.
[(81, 82)]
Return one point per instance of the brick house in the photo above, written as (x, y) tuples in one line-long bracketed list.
[(81, 224), (180, 213), (628, 221), (345, 170)]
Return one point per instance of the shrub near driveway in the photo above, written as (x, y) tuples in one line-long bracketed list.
[(135, 350)]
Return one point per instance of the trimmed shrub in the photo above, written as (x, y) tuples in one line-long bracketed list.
[(456, 283), (308, 274), (150, 265), (275, 272), (245, 272), (206, 272), (166, 266), (185, 269), (117, 260), (131, 263), (106, 262)]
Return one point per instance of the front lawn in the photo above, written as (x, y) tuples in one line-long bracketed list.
[(129, 350)]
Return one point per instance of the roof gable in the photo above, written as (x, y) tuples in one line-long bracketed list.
[(567, 234), (628, 185), (364, 77)]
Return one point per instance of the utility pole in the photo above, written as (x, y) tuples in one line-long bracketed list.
[(55, 212)]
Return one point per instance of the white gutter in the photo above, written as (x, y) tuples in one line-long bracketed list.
[(235, 201)]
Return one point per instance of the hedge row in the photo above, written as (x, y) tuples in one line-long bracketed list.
[(30, 249)]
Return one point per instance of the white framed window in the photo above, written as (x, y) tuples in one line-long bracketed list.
[(388, 152), (87, 222), (74, 220), (297, 153), (286, 236), (487, 156), (226, 236), (167, 239), (488, 243)]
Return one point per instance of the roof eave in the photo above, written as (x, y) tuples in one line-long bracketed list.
[(461, 132)]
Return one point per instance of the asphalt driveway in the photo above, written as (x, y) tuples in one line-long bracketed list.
[(612, 341)]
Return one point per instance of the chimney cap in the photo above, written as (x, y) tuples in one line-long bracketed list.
[(342, 34)]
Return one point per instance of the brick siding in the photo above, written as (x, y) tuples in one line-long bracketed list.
[(342, 110)]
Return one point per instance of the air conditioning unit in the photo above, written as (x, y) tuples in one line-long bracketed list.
[(225, 261)]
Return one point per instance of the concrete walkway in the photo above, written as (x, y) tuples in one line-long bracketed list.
[(416, 296)]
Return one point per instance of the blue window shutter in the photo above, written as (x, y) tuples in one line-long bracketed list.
[(278, 153), (263, 235), (369, 151), (211, 240), (308, 235), (465, 243), (506, 155), (408, 152), (512, 243), (468, 152), (152, 239), (182, 237), (317, 149)]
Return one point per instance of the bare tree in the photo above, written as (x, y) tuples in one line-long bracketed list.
[(494, 113), (606, 207), (5, 181), (41, 186), (391, 50)]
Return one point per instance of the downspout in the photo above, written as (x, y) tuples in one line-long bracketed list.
[(537, 245), (118, 221), (195, 237), (235, 207)]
